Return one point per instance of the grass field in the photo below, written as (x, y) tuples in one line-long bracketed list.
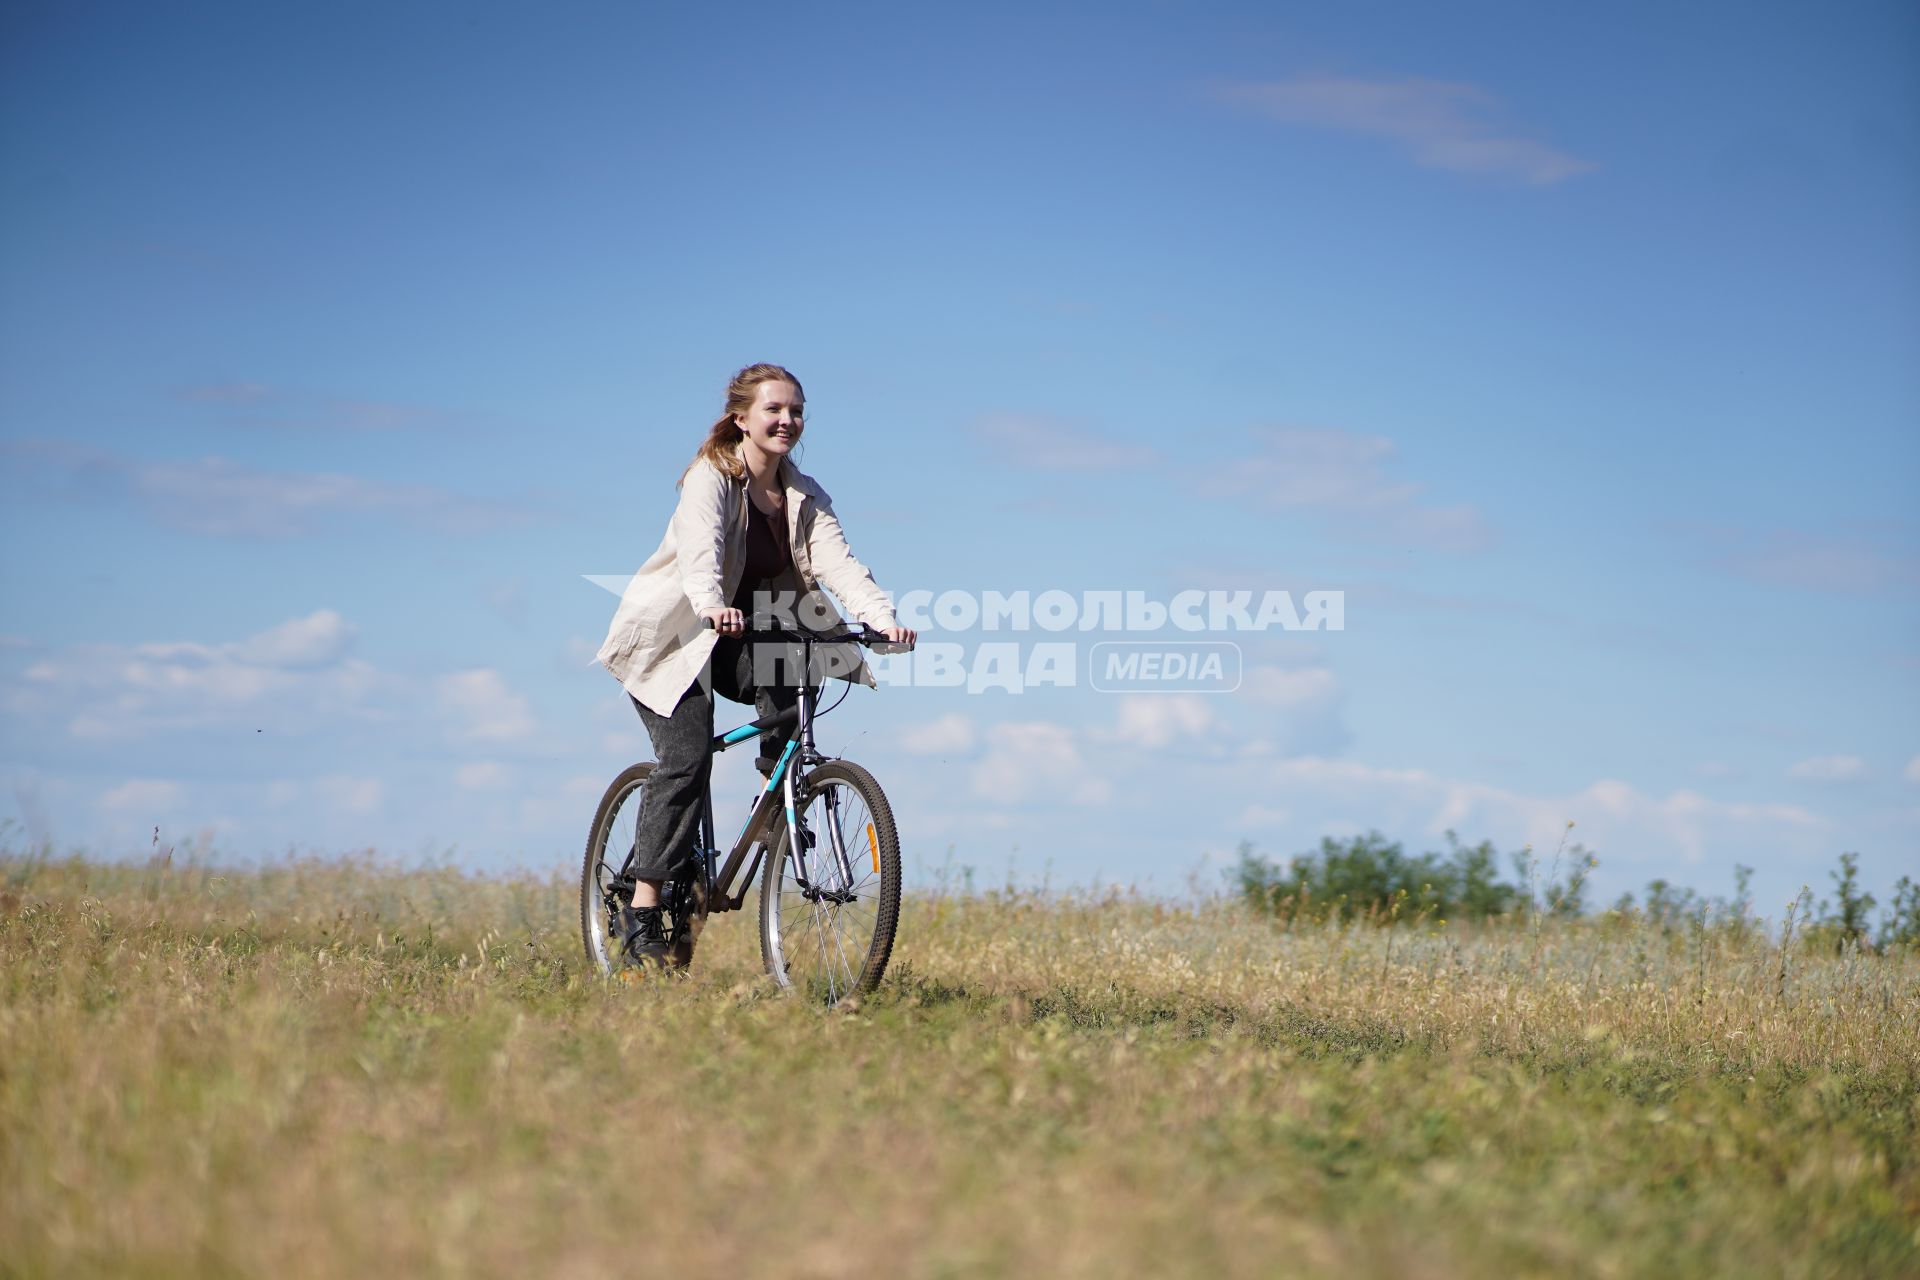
[(335, 1068)]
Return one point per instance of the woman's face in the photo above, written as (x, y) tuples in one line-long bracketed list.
[(773, 421)]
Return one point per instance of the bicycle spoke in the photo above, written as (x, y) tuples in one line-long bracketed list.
[(822, 966), (804, 929), (827, 968), (840, 948), (814, 952), (828, 940)]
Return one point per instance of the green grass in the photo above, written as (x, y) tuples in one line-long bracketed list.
[(331, 1067)]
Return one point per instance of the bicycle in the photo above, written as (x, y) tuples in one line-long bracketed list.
[(827, 914)]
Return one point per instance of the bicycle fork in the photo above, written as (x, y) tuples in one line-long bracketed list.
[(842, 864), (799, 837)]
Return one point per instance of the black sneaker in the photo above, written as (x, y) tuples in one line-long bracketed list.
[(645, 938)]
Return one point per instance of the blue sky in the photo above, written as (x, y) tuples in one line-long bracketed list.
[(338, 343)]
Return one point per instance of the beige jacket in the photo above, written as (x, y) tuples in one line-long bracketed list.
[(658, 644)]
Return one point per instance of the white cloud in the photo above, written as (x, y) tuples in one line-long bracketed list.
[(1289, 690), (255, 405), (1343, 477), (1829, 769), (1051, 444), (318, 640), (218, 497), (140, 796), (483, 708), (1441, 125), (1300, 709), (1318, 771), (1612, 816), (949, 735), (1912, 772), (1036, 759), (482, 775), (1153, 721), (279, 680), (222, 498)]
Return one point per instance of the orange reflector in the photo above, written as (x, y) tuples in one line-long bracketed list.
[(874, 847)]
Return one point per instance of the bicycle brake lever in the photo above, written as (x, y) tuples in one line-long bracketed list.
[(877, 643)]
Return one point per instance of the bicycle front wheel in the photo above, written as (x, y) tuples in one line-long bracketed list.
[(830, 901)]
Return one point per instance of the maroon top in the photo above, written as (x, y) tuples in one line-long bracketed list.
[(767, 555)]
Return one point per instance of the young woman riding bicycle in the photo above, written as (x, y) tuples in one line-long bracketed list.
[(750, 530)]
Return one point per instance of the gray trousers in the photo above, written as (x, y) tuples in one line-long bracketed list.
[(668, 831)]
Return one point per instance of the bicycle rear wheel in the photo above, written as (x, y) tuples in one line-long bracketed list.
[(609, 841), (605, 888), (827, 932)]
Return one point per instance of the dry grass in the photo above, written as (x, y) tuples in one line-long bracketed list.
[(332, 1067)]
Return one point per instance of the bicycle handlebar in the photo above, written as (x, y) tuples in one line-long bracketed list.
[(867, 637)]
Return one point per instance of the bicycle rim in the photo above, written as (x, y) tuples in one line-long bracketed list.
[(828, 935), (608, 842)]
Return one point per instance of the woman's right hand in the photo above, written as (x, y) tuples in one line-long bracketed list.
[(727, 622)]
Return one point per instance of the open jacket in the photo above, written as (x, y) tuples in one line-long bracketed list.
[(658, 644)]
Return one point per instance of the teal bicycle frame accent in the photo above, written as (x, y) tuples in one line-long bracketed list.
[(729, 880)]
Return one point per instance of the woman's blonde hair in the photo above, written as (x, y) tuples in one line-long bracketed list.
[(722, 445)]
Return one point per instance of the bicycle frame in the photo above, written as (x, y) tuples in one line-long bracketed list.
[(729, 881)]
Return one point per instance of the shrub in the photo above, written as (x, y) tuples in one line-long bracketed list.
[(1901, 926), (1844, 921), (1369, 876)]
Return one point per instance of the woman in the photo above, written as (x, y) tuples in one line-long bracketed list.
[(748, 524)]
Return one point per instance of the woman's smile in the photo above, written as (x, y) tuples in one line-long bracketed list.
[(773, 423)]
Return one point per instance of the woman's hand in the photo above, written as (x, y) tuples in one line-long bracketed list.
[(728, 622), (899, 635)]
